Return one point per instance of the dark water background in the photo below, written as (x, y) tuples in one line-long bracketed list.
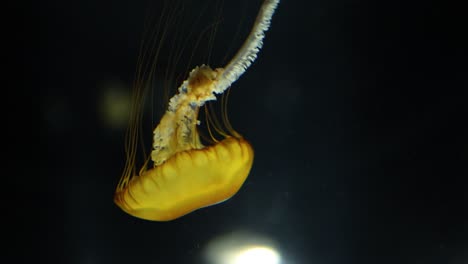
[(355, 110)]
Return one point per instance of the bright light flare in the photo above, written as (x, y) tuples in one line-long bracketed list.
[(242, 248), (255, 255)]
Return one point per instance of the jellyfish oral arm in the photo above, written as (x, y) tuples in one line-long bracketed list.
[(200, 87), (249, 50), (177, 131)]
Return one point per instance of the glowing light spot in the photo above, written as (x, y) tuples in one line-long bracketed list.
[(242, 247), (256, 255), (114, 104)]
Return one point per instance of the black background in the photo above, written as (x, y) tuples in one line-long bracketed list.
[(356, 111)]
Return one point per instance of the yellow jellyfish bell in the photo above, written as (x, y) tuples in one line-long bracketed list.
[(186, 175)]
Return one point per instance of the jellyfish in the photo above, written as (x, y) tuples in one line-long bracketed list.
[(187, 175)]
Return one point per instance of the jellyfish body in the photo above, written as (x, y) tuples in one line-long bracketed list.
[(186, 174), (188, 181)]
